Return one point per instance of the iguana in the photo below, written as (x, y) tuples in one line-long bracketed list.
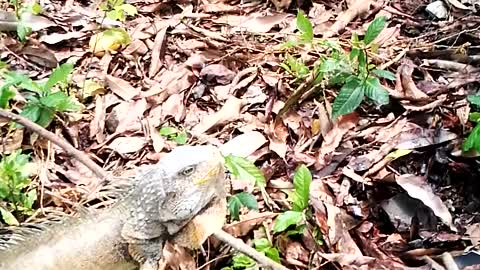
[(131, 233)]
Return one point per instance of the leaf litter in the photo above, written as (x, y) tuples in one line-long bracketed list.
[(392, 184)]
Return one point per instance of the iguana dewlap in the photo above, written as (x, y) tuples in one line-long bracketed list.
[(132, 232)]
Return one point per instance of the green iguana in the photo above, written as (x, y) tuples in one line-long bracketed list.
[(132, 232)]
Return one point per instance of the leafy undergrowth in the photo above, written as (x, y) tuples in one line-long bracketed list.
[(351, 132)]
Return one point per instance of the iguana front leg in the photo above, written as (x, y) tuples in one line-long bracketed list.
[(147, 252)]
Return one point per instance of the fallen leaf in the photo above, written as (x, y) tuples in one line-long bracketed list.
[(418, 188), (257, 23), (278, 134), (334, 136), (121, 87), (158, 52), (244, 145), (217, 73), (229, 112), (127, 145)]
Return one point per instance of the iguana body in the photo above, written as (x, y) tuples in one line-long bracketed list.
[(132, 232)]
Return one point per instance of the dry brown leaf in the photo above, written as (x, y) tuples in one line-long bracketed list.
[(217, 73), (258, 23), (357, 8), (97, 125), (127, 145), (174, 106), (418, 188), (244, 145), (127, 116), (347, 259), (158, 52), (228, 113), (334, 136), (12, 142), (41, 56), (247, 223), (136, 47), (278, 135), (121, 87)]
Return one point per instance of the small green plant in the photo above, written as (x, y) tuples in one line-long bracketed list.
[(243, 262), (174, 134), (117, 10), (353, 72), (14, 181), (299, 198), (21, 11), (43, 101), (473, 139), (245, 170)]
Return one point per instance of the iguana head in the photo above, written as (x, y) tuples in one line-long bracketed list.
[(197, 174), (171, 193)]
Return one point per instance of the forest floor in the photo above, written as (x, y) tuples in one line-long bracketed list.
[(351, 124)]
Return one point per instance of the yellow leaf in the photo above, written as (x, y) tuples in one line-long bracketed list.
[(398, 153)]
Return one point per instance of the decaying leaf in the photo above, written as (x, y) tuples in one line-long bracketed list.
[(418, 188)]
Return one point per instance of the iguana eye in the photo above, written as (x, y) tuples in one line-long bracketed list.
[(188, 171)]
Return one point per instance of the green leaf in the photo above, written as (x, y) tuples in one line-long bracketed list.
[(474, 117), (59, 101), (22, 81), (241, 261), (375, 91), (23, 31), (349, 97), (244, 169), (362, 62), (286, 219), (304, 26), (31, 111), (6, 94), (60, 74), (241, 199), (474, 99), (30, 199), (273, 254), (129, 9), (264, 246), (247, 200), (473, 140), (168, 131), (181, 138), (384, 74), (116, 15), (374, 29), (301, 182), (354, 53), (8, 217), (45, 117)]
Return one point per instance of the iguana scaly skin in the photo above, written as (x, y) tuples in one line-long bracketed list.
[(132, 232)]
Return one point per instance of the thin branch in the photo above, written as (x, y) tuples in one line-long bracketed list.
[(83, 158), (62, 143)]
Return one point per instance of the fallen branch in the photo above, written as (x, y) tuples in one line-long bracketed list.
[(100, 172)]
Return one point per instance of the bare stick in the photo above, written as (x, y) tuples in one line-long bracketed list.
[(83, 158), (62, 143)]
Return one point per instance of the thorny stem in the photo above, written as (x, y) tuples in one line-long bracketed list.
[(82, 157)]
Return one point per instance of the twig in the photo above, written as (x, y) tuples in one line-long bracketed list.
[(62, 143), (251, 252), (82, 157)]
